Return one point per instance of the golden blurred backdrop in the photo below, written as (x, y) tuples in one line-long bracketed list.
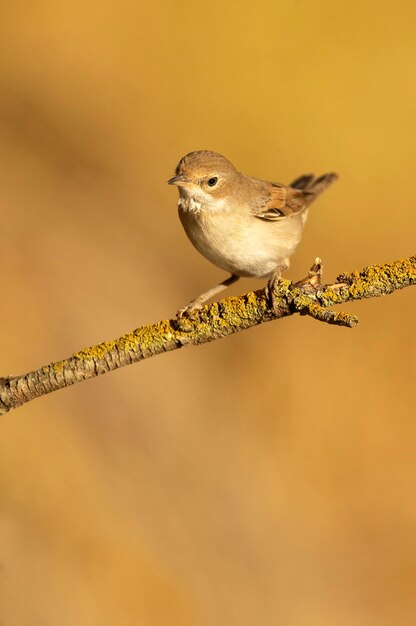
[(268, 478)]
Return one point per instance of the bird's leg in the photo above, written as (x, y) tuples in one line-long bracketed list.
[(199, 301), (272, 283)]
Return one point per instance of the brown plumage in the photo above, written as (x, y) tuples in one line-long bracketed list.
[(242, 224)]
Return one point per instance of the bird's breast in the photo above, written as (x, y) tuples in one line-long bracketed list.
[(239, 243)]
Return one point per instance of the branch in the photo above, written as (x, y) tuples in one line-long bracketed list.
[(214, 321)]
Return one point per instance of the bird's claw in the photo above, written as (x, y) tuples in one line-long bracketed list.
[(189, 310), (271, 288)]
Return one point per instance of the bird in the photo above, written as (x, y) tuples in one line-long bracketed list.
[(246, 226)]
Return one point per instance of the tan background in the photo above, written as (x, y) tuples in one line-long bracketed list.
[(265, 479)]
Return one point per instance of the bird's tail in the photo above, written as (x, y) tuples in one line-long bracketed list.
[(312, 186)]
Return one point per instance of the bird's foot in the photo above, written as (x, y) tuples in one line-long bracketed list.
[(189, 310), (271, 289)]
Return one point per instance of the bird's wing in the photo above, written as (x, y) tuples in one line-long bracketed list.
[(279, 202)]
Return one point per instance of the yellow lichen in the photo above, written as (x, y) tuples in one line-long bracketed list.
[(235, 313), (142, 338), (57, 367), (95, 352)]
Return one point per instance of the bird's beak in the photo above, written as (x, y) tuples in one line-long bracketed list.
[(179, 180)]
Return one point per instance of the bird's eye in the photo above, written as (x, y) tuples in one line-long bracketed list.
[(212, 181)]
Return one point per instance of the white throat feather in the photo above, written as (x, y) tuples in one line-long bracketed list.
[(199, 200)]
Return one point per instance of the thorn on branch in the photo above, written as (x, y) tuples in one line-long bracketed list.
[(306, 295)]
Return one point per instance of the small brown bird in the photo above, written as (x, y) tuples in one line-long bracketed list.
[(244, 225)]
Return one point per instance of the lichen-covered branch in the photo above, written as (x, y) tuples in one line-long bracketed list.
[(214, 321)]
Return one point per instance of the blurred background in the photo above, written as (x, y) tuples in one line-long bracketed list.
[(267, 478)]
